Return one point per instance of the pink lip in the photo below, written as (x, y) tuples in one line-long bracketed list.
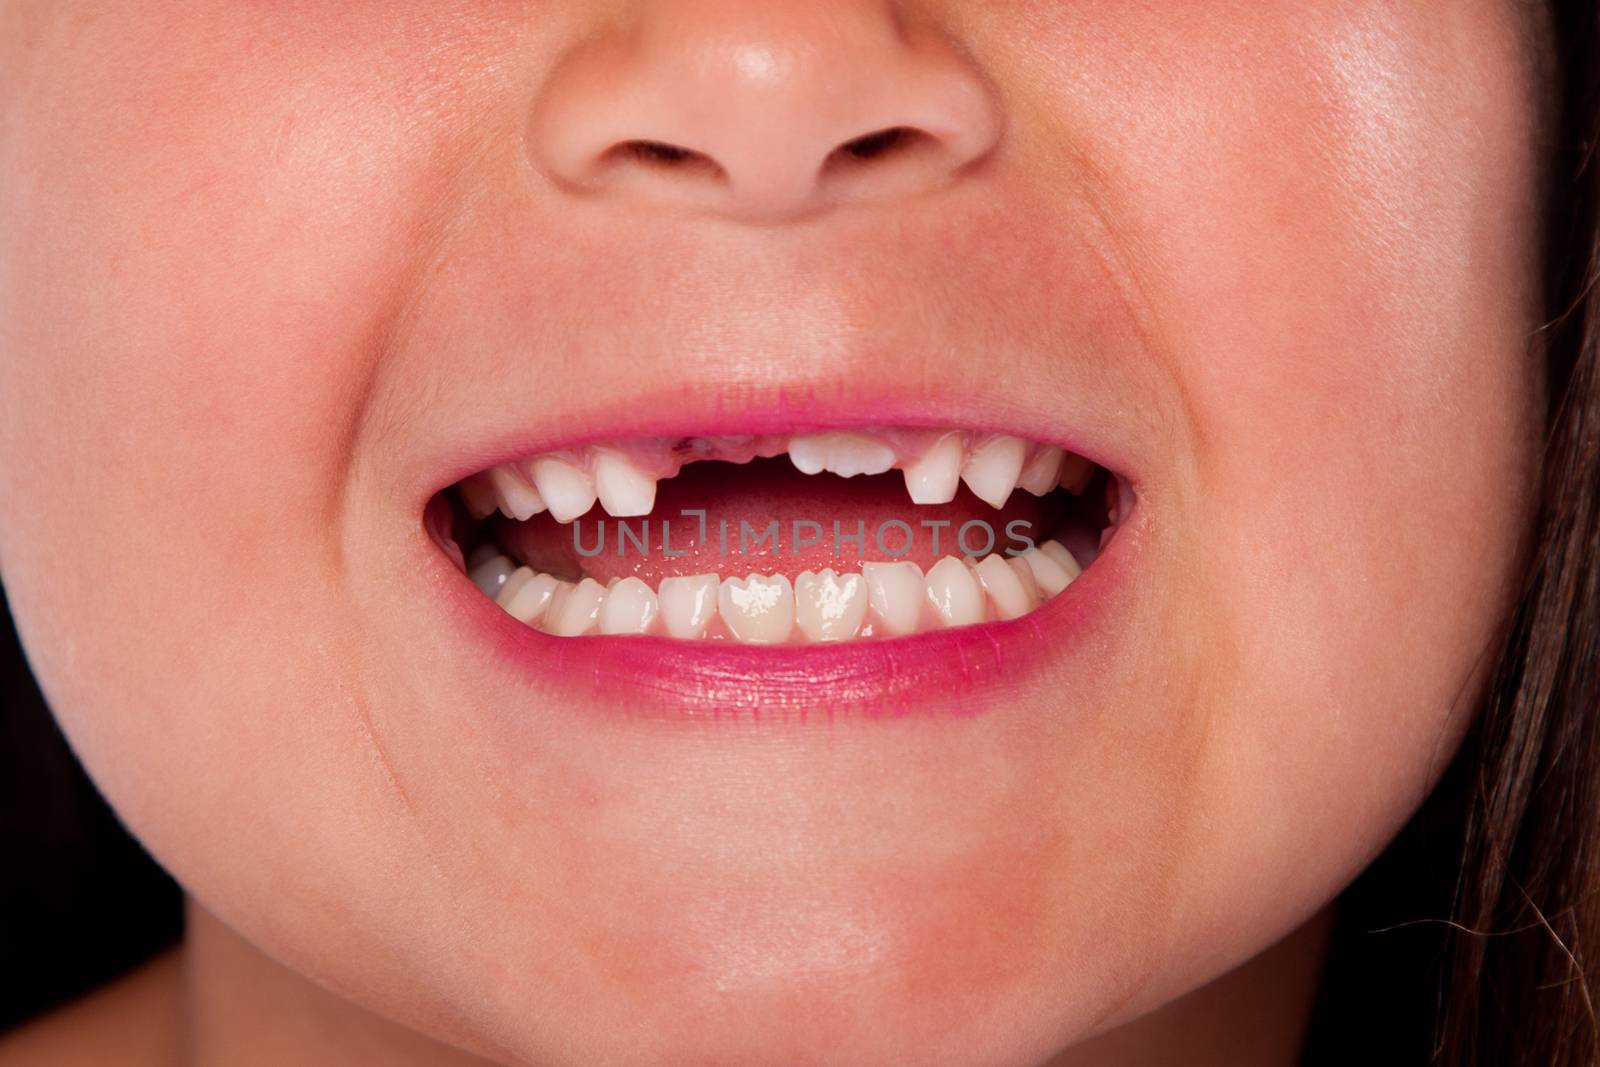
[(952, 673)]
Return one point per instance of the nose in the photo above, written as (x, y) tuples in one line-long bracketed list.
[(762, 110)]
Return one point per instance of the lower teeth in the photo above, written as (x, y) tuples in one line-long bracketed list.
[(880, 600)]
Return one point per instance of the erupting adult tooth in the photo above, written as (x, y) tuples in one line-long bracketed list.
[(567, 490), (688, 604), (526, 595), (625, 491), (516, 496), (992, 471), (935, 477), (953, 591), (490, 575), (829, 606), (1075, 473), (630, 608), (575, 609), (1048, 572), (841, 453), (1043, 472), (758, 610), (1010, 597), (895, 594), (478, 495)]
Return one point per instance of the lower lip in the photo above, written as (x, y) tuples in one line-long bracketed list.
[(956, 673)]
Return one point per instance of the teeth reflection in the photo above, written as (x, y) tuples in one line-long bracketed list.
[(758, 610), (829, 606)]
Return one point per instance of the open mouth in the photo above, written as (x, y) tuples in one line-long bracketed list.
[(781, 539)]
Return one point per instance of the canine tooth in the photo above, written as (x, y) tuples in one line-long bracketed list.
[(895, 594), (935, 477), (953, 591), (844, 454), (516, 495), (1043, 471), (574, 610), (1006, 591), (1058, 552), (1024, 574), (1075, 473), (528, 602), (567, 490), (630, 608), (478, 495), (829, 606), (758, 610), (992, 471), (688, 604), (490, 575), (625, 491), (1051, 576)]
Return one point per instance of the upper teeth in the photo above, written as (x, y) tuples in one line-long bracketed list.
[(568, 483)]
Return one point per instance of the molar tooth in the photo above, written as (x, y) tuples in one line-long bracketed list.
[(1043, 472), (688, 604), (758, 610), (531, 597), (566, 489), (1048, 572), (516, 496), (625, 490), (844, 454), (953, 591), (574, 610), (1010, 597), (829, 606), (895, 593), (630, 608), (1075, 473), (935, 477), (1058, 552), (992, 471), (478, 495), (490, 575)]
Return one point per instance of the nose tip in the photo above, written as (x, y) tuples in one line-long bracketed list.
[(762, 111)]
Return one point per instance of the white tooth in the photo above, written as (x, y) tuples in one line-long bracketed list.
[(1009, 596), (529, 600), (1075, 473), (688, 604), (844, 454), (478, 495), (992, 471), (758, 610), (575, 609), (1043, 471), (516, 495), (491, 574), (630, 608), (1058, 552), (567, 490), (895, 593), (1024, 574), (1051, 576), (829, 606), (625, 490), (934, 478), (953, 591)]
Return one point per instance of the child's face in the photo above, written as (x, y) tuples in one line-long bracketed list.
[(272, 275)]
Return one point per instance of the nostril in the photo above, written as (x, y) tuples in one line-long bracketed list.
[(876, 144), (660, 155)]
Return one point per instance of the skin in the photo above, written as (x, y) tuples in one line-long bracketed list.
[(261, 264)]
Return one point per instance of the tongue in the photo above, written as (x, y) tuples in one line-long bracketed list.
[(768, 518)]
